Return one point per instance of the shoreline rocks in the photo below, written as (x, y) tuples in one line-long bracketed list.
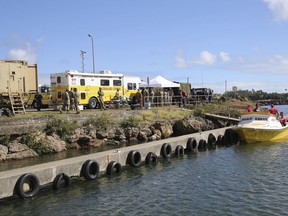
[(37, 142)]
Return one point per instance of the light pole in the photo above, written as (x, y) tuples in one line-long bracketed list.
[(89, 35)]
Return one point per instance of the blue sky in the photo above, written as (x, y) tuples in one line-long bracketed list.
[(208, 42)]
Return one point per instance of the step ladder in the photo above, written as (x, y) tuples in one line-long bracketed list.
[(17, 103), (16, 99)]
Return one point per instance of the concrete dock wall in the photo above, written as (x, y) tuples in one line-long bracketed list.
[(72, 167)]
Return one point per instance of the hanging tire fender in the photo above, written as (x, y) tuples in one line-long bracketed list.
[(90, 170), (211, 141), (27, 185), (134, 158), (191, 145), (166, 150), (151, 158), (179, 151), (202, 146), (219, 141), (61, 180), (113, 167)]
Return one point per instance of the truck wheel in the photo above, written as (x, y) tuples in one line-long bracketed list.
[(92, 103)]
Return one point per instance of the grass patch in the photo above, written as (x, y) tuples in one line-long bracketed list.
[(132, 121), (62, 127), (102, 122)]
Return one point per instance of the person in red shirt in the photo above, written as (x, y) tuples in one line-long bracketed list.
[(249, 108), (273, 110), (282, 119)]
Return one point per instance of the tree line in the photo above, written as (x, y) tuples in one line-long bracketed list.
[(259, 95)]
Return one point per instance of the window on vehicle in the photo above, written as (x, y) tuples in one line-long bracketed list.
[(83, 96), (82, 82), (116, 82), (129, 86), (59, 94), (104, 82), (58, 79), (134, 86)]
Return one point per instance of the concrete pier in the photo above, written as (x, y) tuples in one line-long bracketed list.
[(72, 167)]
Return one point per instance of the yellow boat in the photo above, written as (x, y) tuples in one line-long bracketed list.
[(261, 127)]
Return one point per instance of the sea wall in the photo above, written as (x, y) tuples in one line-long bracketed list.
[(44, 174)]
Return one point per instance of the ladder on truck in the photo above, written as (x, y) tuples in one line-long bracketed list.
[(16, 100)]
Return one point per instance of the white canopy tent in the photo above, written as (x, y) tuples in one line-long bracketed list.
[(159, 82)]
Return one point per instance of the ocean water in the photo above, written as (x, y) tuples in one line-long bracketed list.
[(237, 180)]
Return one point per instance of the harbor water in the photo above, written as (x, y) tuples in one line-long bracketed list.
[(238, 180)]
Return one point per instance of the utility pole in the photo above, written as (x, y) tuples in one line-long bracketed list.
[(83, 60), (90, 35)]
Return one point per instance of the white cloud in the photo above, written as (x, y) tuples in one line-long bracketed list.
[(281, 60), (179, 60), (27, 52), (279, 9), (205, 58), (225, 57), (40, 40)]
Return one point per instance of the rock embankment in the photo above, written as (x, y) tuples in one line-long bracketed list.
[(38, 141)]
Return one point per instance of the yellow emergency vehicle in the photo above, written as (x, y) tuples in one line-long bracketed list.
[(45, 91), (88, 84)]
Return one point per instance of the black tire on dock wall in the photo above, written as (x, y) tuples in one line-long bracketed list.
[(61, 180), (235, 138), (179, 151), (202, 145), (166, 150), (31, 182), (113, 167), (191, 145), (134, 158), (219, 141), (211, 141), (151, 158), (229, 136), (90, 170)]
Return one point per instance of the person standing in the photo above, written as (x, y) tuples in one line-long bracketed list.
[(249, 108), (76, 100), (152, 94), (170, 95), (38, 99), (116, 99), (273, 110), (183, 98), (66, 101), (117, 95), (100, 97), (282, 119), (256, 109), (72, 99)]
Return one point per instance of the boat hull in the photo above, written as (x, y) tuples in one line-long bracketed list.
[(249, 135)]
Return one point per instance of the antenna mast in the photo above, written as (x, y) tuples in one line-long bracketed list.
[(83, 60)]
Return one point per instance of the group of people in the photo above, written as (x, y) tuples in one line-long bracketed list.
[(70, 101), (273, 110)]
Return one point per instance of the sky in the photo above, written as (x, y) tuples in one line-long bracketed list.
[(216, 44)]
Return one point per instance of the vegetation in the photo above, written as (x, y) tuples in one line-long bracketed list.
[(4, 139), (102, 122), (38, 145), (253, 95), (132, 121), (62, 127)]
